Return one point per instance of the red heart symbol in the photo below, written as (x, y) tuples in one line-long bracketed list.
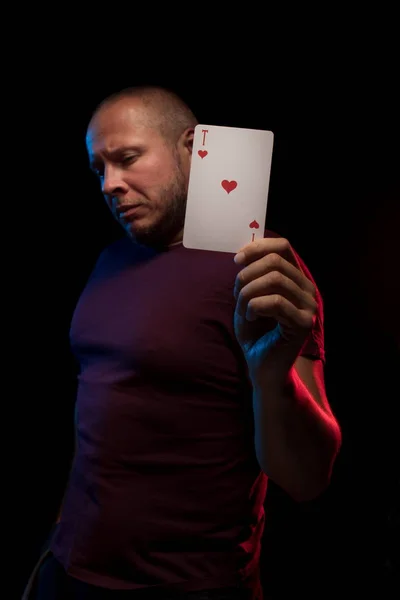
[(254, 225), (228, 185), (202, 153)]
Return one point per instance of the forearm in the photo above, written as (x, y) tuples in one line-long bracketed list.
[(296, 440)]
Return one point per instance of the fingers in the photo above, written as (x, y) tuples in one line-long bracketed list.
[(279, 268), (264, 246), (261, 247), (273, 295), (281, 309)]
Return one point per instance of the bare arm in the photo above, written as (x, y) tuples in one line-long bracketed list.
[(296, 434)]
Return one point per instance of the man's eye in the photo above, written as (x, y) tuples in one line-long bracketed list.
[(129, 159)]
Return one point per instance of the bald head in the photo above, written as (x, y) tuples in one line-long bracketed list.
[(140, 143), (160, 109)]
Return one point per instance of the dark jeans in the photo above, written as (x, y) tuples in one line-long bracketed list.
[(52, 583)]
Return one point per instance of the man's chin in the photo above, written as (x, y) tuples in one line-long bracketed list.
[(151, 236)]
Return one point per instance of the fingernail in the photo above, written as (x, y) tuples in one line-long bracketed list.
[(240, 258)]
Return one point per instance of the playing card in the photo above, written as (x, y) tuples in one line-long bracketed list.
[(228, 187)]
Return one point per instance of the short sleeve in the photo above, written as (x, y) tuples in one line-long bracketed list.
[(314, 346)]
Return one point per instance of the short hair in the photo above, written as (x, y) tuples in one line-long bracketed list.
[(168, 112)]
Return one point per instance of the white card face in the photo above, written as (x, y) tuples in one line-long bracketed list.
[(228, 187)]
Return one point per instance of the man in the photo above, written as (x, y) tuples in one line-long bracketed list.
[(201, 377)]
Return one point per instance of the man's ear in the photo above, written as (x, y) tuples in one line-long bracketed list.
[(187, 140)]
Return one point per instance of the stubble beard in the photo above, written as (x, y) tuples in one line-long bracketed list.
[(166, 228)]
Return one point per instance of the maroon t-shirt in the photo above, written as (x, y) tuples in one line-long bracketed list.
[(165, 488)]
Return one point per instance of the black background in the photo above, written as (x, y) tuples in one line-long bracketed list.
[(334, 193)]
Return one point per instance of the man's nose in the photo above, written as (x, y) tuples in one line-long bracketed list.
[(113, 183)]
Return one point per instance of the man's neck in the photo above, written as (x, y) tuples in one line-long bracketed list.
[(177, 239)]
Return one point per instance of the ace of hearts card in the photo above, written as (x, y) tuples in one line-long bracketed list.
[(228, 187)]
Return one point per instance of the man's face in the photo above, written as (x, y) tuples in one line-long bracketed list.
[(144, 180)]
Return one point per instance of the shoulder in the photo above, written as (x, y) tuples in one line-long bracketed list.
[(268, 233), (301, 263)]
